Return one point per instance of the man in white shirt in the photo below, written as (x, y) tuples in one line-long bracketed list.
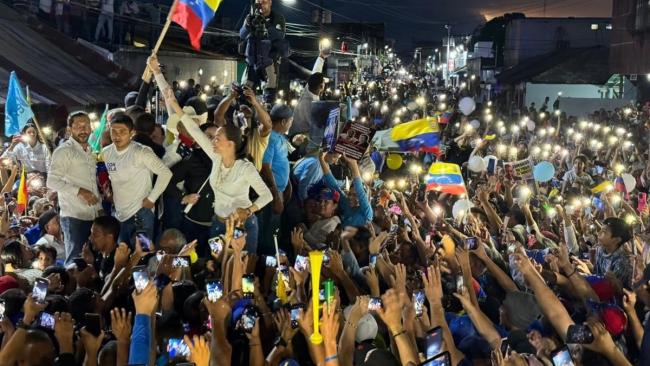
[(73, 176), (315, 87), (131, 167)]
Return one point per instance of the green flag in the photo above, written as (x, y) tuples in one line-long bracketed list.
[(95, 140)]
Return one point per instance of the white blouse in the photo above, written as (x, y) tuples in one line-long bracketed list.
[(231, 186)]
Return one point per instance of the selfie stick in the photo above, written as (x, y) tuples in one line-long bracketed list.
[(316, 260), (189, 206)]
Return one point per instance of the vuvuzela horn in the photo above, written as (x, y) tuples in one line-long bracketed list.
[(315, 260)]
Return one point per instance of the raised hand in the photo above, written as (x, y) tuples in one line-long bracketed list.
[(146, 301), (199, 350), (121, 324)]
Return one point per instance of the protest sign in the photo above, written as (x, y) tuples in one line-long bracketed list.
[(354, 140)]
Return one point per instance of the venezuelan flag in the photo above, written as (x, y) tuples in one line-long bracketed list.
[(447, 178), (418, 135), (444, 118), (194, 16), (605, 185), (21, 202)]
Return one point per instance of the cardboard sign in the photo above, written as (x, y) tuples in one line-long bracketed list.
[(519, 169), (354, 140)]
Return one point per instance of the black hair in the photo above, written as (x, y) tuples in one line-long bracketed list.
[(109, 225), (619, 228), (61, 271), (314, 82), (56, 303), (12, 253), (134, 111), (204, 127), (518, 216), (81, 301), (362, 236), (145, 123), (47, 249), (234, 134), (198, 104), (74, 115), (14, 299), (32, 125), (44, 357), (122, 118)]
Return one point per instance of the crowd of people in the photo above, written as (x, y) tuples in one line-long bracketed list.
[(234, 235)]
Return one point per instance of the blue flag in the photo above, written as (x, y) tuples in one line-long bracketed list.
[(17, 110)]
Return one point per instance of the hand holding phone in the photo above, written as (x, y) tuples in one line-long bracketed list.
[(374, 304), (216, 245), (214, 290), (93, 324), (248, 284), (181, 261), (145, 243), (140, 278), (579, 334), (39, 291)]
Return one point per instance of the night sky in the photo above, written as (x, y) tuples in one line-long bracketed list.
[(408, 20)]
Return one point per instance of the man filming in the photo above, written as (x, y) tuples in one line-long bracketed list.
[(263, 36)]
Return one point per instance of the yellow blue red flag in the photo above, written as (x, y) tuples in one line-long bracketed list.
[(418, 135), (194, 16), (447, 178)]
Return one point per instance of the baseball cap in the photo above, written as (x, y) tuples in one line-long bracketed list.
[(328, 194)]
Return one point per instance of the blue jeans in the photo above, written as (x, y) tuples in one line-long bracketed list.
[(250, 226), (142, 221), (75, 233)]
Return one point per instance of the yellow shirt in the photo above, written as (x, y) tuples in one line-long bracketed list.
[(256, 148)]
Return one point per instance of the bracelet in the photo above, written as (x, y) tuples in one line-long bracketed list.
[(254, 345), (331, 358), (399, 333), (575, 269)]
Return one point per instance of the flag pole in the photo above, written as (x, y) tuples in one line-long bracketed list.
[(38, 126), (146, 76)]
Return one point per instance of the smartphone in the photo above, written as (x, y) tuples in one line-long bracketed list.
[(238, 233), (93, 324), (2, 310), (181, 261), (460, 283), (422, 192), (145, 243), (599, 169), (443, 359), (643, 201), (326, 257), (214, 290), (271, 261), (80, 263), (373, 260), (433, 342), (46, 320), (39, 291), (177, 348), (248, 284), (491, 166), (418, 303), (216, 244), (562, 357), (471, 243), (374, 304), (505, 347), (301, 263), (579, 334), (296, 310), (7, 196), (248, 319), (140, 278)]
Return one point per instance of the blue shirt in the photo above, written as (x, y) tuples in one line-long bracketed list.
[(352, 216), (140, 340), (277, 156), (308, 172)]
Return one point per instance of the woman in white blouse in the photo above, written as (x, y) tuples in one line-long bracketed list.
[(29, 150), (232, 174)]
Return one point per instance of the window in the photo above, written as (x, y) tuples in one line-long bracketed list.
[(594, 26), (608, 27)]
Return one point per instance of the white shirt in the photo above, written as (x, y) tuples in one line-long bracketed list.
[(50, 240), (34, 159), (107, 7), (230, 186), (131, 172), (302, 112), (73, 168)]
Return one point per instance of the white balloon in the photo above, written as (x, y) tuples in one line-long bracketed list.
[(629, 181), (530, 125), (461, 208), (475, 124), (466, 106), (476, 164)]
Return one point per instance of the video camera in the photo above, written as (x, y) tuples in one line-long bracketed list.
[(256, 21)]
